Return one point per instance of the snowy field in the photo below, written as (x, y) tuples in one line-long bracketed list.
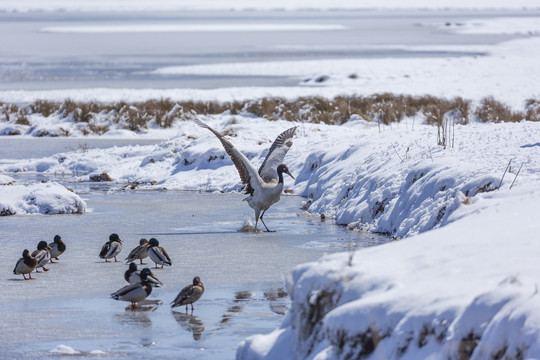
[(460, 281)]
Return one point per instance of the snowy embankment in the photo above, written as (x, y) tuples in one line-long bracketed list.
[(467, 290), (39, 198), (394, 179)]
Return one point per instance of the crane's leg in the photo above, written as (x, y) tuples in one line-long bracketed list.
[(264, 223)]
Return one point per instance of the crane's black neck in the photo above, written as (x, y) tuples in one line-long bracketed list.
[(280, 174)]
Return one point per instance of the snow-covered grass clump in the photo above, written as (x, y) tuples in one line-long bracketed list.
[(467, 290), (39, 198)]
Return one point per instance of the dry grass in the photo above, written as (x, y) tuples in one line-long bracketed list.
[(382, 108), (490, 110)]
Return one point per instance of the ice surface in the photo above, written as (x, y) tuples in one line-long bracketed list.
[(243, 274)]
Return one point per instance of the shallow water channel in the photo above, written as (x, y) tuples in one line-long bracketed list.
[(243, 274)]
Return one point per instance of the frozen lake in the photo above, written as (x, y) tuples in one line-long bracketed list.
[(120, 50), (243, 274)]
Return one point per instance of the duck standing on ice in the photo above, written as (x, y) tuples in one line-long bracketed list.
[(140, 252), (25, 265), (42, 255), (136, 292), (57, 247), (189, 294), (111, 248), (264, 187), (158, 254)]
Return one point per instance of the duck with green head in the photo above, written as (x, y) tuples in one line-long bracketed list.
[(133, 276), (42, 255), (25, 265), (135, 293), (111, 248), (57, 247), (158, 254)]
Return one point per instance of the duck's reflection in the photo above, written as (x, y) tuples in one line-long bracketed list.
[(277, 300), (241, 300), (190, 323), (136, 317)]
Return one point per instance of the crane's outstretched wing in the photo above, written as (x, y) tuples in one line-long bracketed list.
[(276, 154), (248, 173)]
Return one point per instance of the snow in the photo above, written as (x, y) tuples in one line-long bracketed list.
[(239, 5), (39, 198), (422, 297)]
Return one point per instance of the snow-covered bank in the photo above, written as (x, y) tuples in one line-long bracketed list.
[(39, 198), (468, 290), (395, 179)]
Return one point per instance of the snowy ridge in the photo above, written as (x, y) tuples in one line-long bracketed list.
[(467, 290)]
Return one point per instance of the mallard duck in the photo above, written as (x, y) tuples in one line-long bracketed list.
[(111, 248), (135, 292), (42, 255), (189, 294), (57, 247), (140, 252), (133, 276), (158, 254), (25, 265)]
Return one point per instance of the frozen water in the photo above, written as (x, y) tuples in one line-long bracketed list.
[(69, 307), (36, 58)]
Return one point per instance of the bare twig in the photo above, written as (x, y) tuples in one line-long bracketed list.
[(516, 175), (397, 152), (505, 170)]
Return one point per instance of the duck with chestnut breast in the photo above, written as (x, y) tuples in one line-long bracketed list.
[(111, 248), (189, 294), (158, 254), (42, 255), (135, 293), (140, 252), (57, 247), (25, 265), (133, 276), (265, 186)]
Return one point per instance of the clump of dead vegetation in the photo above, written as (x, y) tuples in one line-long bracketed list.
[(383, 108)]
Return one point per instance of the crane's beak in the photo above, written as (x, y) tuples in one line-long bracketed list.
[(289, 173)]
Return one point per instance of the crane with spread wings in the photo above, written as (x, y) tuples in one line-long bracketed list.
[(264, 187)]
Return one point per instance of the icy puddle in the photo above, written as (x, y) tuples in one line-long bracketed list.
[(68, 311)]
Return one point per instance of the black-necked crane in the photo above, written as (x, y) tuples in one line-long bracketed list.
[(264, 187)]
